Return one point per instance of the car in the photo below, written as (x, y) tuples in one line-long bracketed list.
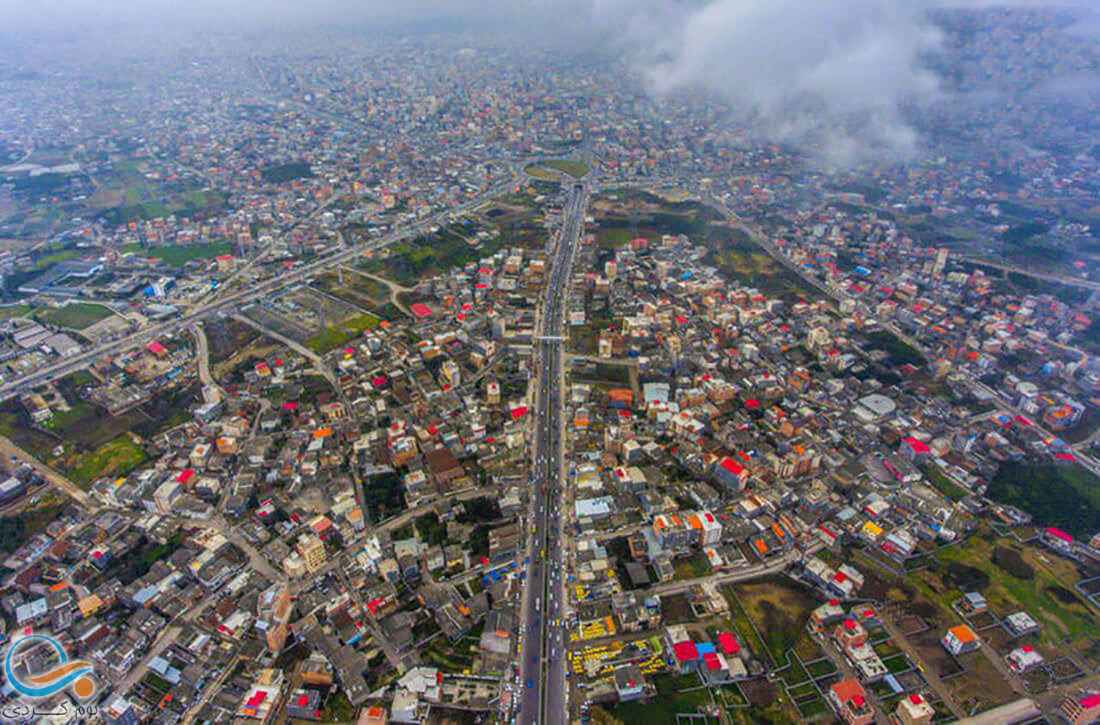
[(529, 683)]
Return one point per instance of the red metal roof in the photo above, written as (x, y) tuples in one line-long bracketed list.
[(728, 643), (686, 651)]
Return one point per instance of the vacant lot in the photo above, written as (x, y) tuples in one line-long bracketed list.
[(75, 315), (576, 169), (675, 695), (356, 289), (287, 172), (1047, 596), (981, 686), (177, 256), (115, 458), (1056, 495), (455, 245), (779, 609), (19, 528), (732, 250), (692, 567), (7, 311), (339, 334), (899, 351), (228, 336)]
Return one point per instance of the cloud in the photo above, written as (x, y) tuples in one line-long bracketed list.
[(831, 74)]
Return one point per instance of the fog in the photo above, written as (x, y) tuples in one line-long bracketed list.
[(831, 75)]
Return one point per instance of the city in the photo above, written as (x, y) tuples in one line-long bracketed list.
[(438, 376)]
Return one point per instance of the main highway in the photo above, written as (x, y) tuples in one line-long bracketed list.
[(542, 622), (237, 300)]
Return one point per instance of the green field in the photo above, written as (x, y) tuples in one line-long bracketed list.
[(78, 413), (287, 172), (576, 169), (7, 311), (779, 609), (75, 315), (536, 171), (19, 528), (613, 237), (943, 483), (1044, 597), (692, 567), (114, 458), (177, 256), (336, 335), (900, 352), (671, 699), (449, 247), (1064, 496)]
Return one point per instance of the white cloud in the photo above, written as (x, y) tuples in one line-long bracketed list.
[(837, 71)]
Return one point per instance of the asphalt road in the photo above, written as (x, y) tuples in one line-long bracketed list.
[(542, 638), (230, 302)]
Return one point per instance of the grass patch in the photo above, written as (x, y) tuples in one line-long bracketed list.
[(943, 483), (693, 567), (613, 238), (576, 169), (177, 256), (897, 664), (1061, 618), (1056, 495), (9, 311), (538, 172), (75, 315), (900, 352), (743, 624), (63, 421), (19, 528), (336, 335), (287, 172), (821, 668), (671, 700), (338, 709), (114, 458), (779, 608)]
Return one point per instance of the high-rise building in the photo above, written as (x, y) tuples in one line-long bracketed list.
[(312, 551), (941, 262)]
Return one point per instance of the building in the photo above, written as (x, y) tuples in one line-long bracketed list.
[(629, 683), (972, 604), (1023, 658), (1019, 624), (304, 705), (914, 710), (1082, 709), (731, 474), (312, 551), (260, 699), (960, 639), (849, 700), (119, 711), (405, 708), (373, 715)]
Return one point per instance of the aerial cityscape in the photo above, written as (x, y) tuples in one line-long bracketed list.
[(710, 362)]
